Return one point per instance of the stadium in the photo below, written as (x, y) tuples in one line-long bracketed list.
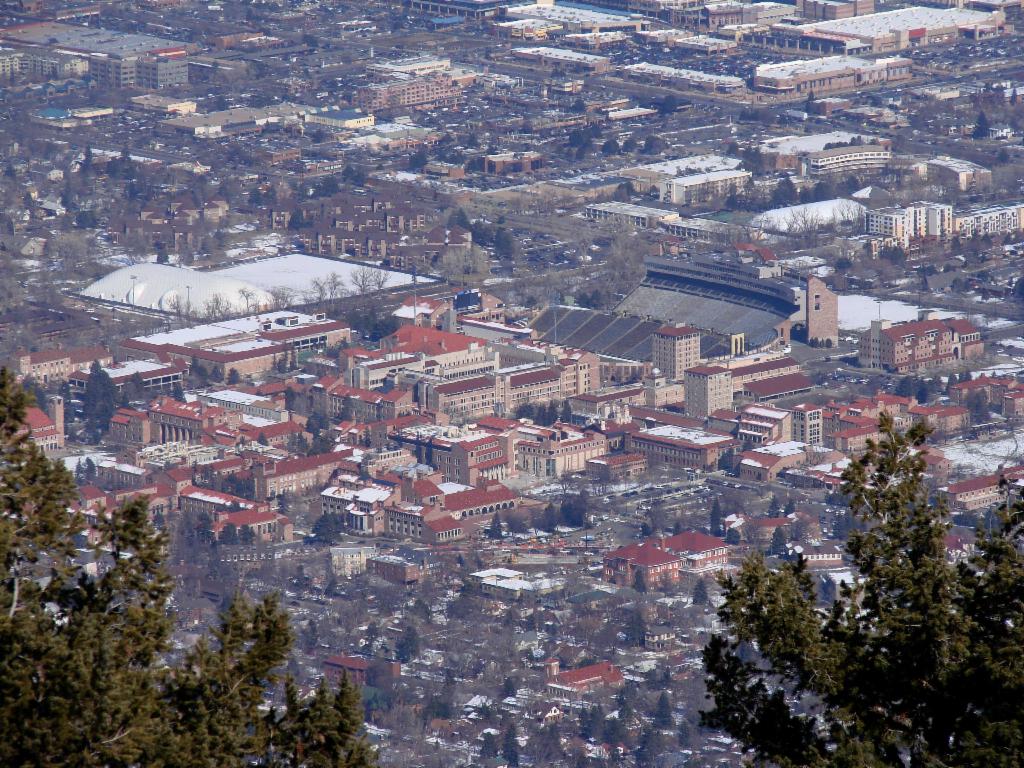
[(739, 306)]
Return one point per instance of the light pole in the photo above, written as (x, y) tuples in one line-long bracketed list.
[(134, 278)]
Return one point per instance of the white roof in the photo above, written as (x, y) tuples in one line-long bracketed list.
[(819, 66), (497, 573), (697, 436), (244, 287), (901, 20), (168, 289), (681, 166), (561, 54), (234, 396), (791, 145), (298, 272), (367, 495), (129, 368), (689, 75), (566, 14), (788, 448), (702, 178), (224, 329), (820, 214)]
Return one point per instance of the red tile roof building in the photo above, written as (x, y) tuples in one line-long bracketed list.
[(583, 679), (918, 346), (700, 553), (647, 561), (55, 365)]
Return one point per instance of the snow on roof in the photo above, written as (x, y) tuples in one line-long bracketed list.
[(168, 288), (129, 368), (819, 214), (900, 20), (697, 436), (681, 166), (225, 329), (567, 13), (790, 145), (560, 54), (297, 272), (689, 75), (497, 573), (234, 396), (823, 65), (788, 448), (367, 495)]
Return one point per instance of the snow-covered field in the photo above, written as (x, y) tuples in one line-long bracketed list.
[(297, 272), (981, 456), (857, 311)]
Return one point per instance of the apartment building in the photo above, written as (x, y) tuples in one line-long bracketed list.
[(857, 158), (917, 346), (942, 419), (958, 174), (990, 220), (645, 562), (702, 187), (427, 92), (700, 553), (918, 221), (522, 385), (980, 492)]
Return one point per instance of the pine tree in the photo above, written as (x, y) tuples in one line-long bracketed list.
[(648, 748), (83, 677), (716, 519), (99, 400), (408, 646), (910, 666), (663, 711), (494, 529), (981, 126), (700, 593), (488, 746), (510, 745), (778, 545)]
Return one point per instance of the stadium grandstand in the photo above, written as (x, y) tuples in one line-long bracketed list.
[(738, 305), (755, 305)]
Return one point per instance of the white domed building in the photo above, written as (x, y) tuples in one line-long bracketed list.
[(173, 289)]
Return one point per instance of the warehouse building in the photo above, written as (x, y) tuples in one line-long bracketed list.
[(830, 74), (888, 31)]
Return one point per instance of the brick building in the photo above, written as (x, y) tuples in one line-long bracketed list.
[(919, 345), (675, 349), (709, 388), (55, 365)]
